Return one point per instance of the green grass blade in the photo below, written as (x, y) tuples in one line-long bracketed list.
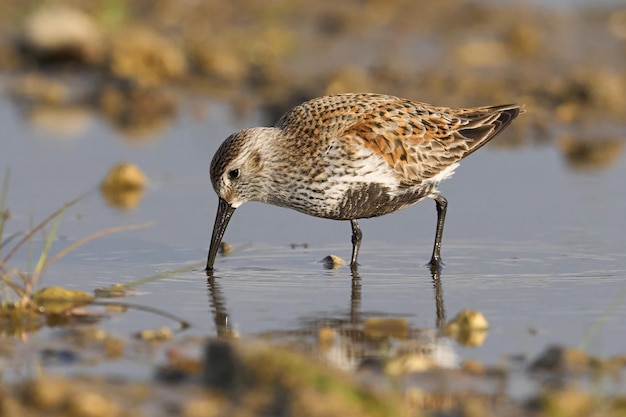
[(8, 240), (163, 275), (34, 230), (3, 199), (592, 333), (47, 245)]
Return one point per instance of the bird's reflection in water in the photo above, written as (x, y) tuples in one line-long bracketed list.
[(355, 298), (217, 302), (345, 338), (435, 273)]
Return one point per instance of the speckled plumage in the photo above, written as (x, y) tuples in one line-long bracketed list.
[(351, 156)]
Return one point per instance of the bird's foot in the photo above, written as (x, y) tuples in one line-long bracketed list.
[(435, 265)]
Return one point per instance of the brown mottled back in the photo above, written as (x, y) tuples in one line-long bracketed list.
[(417, 140)]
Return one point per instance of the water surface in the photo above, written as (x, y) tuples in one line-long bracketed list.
[(535, 246)]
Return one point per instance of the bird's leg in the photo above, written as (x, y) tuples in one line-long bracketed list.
[(356, 243), (442, 206)]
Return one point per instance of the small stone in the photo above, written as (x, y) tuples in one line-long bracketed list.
[(332, 262), (158, 335), (124, 176), (468, 328), (123, 186), (471, 320), (470, 338), (58, 300), (60, 293)]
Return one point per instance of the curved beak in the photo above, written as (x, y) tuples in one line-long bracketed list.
[(224, 213)]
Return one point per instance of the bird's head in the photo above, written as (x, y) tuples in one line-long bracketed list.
[(237, 167), (237, 175)]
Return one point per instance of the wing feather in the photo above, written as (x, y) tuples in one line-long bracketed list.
[(416, 140)]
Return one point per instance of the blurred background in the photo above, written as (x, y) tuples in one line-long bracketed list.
[(132, 98), (135, 63)]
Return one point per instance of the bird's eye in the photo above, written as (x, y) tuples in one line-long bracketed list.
[(233, 174)]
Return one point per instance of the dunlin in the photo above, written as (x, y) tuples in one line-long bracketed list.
[(349, 157)]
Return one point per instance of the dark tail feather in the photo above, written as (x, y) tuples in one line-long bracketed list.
[(486, 122)]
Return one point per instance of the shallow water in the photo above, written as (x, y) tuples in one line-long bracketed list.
[(535, 246)]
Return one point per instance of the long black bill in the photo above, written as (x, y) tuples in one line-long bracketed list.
[(224, 213)]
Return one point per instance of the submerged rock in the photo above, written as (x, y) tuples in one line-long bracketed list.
[(332, 262), (58, 300), (125, 176), (123, 186), (468, 328), (155, 335)]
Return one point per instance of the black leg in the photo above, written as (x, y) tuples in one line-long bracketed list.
[(442, 206), (441, 311), (355, 299), (356, 243)]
